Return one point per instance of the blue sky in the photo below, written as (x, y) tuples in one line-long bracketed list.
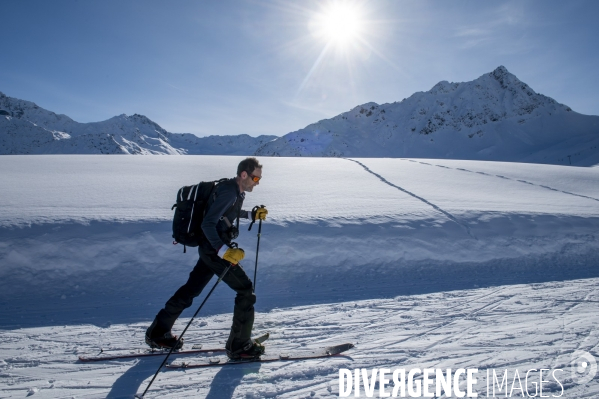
[(257, 67)]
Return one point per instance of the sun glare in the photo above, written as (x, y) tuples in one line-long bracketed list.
[(339, 23), (342, 30)]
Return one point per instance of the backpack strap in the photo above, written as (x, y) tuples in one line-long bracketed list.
[(195, 197), (212, 194)]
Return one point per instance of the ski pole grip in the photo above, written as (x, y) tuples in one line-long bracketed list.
[(254, 209)]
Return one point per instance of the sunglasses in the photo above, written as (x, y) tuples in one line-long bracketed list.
[(255, 178)]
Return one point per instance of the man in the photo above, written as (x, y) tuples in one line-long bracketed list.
[(223, 211)]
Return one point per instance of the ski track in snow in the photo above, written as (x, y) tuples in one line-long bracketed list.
[(437, 208), (503, 177), (509, 327)]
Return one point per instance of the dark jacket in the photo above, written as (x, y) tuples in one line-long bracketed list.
[(226, 202)]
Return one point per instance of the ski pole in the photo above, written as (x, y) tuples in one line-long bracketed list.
[(257, 249), (181, 336)]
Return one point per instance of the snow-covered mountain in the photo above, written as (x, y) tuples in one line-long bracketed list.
[(495, 117), (26, 128)]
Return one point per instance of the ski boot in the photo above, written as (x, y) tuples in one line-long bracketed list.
[(167, 341), (162, 341), (247, 351)]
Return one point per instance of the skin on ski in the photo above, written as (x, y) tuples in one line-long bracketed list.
[(223, 361), (160, 352), (146, 354)]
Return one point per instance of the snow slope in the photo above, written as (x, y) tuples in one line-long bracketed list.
[(495, 117), (514, 328), (420, 262), (30, 129)]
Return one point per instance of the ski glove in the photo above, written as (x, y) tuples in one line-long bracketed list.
[(259, 213), (234, 255)]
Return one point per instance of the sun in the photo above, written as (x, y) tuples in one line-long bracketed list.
[(342, 30), (339, 23)]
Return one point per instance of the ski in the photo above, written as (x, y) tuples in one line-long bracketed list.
[(196, 349), (303, 355), (145, 353)]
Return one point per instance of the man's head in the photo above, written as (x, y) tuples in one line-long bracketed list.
[(249, 173)]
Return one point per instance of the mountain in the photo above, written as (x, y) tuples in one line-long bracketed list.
[(26, 128), (496, 117)]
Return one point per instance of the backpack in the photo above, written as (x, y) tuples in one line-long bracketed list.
[(189, 212)]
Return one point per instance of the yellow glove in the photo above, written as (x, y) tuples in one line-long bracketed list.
[(234, 255), (260, 214)]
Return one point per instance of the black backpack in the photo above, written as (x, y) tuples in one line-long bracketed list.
[(189, 212)]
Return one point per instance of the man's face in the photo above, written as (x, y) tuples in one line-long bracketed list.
[(247, 179)]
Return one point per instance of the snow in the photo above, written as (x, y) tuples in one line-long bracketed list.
[(30, 129), (495, 117), (419, 262)]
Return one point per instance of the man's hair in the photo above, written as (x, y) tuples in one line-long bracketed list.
[(248, 165)]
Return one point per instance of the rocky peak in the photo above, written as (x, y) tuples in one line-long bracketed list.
[(508, 80), (142, 119), (500, 72)]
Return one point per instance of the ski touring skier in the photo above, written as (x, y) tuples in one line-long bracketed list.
[(216, 254)]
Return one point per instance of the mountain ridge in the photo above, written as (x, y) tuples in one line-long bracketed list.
[(496, 117), (26, 128)]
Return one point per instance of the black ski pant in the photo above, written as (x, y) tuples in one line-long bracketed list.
[(208, 265)]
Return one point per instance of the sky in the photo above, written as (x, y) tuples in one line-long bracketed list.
[(273, 67)]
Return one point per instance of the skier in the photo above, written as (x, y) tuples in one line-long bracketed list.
[(218, 230)]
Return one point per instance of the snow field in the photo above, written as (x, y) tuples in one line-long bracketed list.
[(421, 263), (516, 327)]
